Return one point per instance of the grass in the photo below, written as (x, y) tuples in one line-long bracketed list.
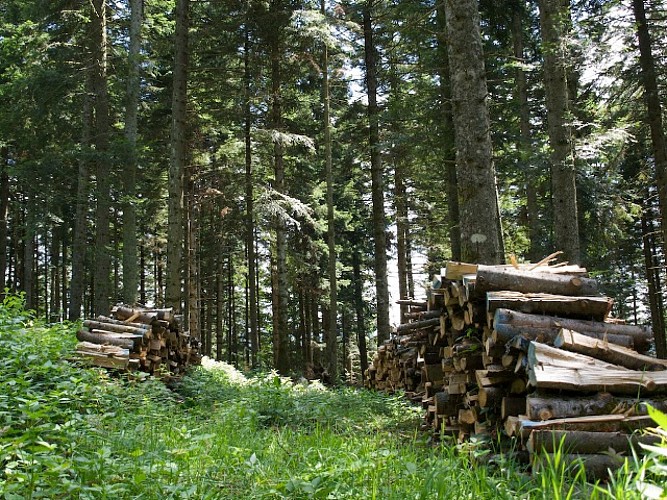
[(69, 431)]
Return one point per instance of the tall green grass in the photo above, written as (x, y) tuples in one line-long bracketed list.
[(71, 431)]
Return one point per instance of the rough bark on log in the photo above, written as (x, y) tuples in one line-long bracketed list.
[(597, 423), (490, 396), (104, 360), (607, 351), (593, 308), (112, 327), (514, 406), (413, 303), (507, 323), (597, 467), (124, 313), (456, 270), (547, 407), (418, 325), (587, 442), (118, 339), (492, 279), (421, 315)]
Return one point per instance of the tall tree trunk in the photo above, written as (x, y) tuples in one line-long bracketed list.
[(4, 209), (280, 295), (481, 236), (219, 296), (653, 109), (652, 266), (80, 237), (448, 136), (63, 272), (233, 333), (554, 21), (400, 195), (192, 265), (402, 228), (29, 248), (53, 270), (524, 145), (142, 272), (130, 245), (359, 309), (332, 339), (249, 206), (377, 178), (178, 158), (101, 132)]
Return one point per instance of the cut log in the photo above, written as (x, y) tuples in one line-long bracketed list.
[(456, 270), (605, 350), (490, 278), (420, 315), (104, 360), (114, 327), (418, 325), (592, 308), (106, 319), (596, 467), (507, 324), (125, 340), (587, 442), (490, 378), (490, 396), (547, 407), (467, 415), (420, 304), (513, 406), (109, 350), (598, 423), (592, 379), (541, 356)]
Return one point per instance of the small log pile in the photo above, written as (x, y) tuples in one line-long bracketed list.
[(530, 352), (135, 338)]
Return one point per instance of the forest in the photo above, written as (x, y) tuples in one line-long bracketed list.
[(281, 171)]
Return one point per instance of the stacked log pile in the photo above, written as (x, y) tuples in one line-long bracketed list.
[(528, 352), (134, 338)]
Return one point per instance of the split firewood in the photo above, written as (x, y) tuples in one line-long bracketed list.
[(608, 351)]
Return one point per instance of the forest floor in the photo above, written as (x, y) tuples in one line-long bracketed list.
[(70, 431)]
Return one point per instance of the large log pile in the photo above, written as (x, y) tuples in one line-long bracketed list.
[(134, 338), (528, 352)]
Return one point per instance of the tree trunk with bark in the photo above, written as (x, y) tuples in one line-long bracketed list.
[(554, 21), (100, 139), (524, 145), (178, 159), (130, 245), (659, 146), (4, 206), (377, 178), (249, 205), (281, 359), (448, 136), (79, 243), (481, 237), (332, 339)]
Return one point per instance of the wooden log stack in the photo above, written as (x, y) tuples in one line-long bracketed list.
[(528, 352), (137, 338)]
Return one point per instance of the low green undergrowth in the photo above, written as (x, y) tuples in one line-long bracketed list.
[(70, 431)]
